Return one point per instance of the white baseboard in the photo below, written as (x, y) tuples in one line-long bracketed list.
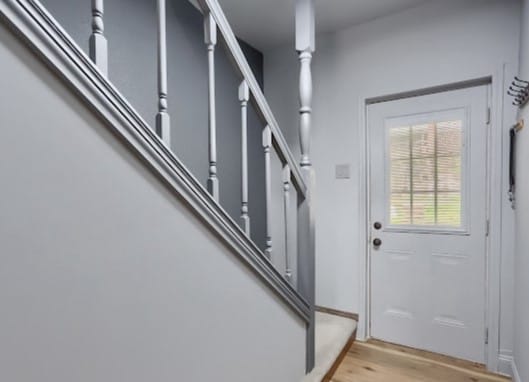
[(507, 366), (515, 375), (505, 363)]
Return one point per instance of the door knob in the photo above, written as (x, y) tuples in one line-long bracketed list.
[(377, 242), (377, 225)]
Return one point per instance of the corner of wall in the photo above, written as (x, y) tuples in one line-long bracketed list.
[(515, 374), (505, 363)]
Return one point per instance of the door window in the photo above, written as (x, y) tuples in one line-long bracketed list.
[(425, 166)]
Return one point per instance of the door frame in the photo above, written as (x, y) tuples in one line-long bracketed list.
[(495, 175)]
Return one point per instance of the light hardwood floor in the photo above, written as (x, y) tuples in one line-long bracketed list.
[(376, 361)]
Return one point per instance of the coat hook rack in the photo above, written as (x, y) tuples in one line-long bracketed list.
[(519, 89)]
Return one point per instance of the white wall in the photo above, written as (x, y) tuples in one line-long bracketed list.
[(105, 274), (437, 43), (521, 341)]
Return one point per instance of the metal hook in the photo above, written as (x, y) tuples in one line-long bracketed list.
[(518, 86)]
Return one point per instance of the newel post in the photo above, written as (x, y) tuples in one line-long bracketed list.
[(97, 44), (305, 46)]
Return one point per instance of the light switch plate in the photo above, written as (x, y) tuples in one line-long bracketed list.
[(343, 171)]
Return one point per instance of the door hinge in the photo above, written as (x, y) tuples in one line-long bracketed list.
[(487, 228), (489, 113), (486, 336)]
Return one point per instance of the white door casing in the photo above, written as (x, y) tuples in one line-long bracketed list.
[(428, 275)]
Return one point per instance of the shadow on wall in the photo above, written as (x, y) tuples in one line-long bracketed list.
[(131, 30)]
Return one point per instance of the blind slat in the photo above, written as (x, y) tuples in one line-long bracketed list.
[(425, 174)]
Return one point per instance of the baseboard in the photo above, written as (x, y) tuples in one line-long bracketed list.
[(505, 363), (336, 312), (515, 374)]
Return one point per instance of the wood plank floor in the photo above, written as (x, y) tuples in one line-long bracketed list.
[(376, 361)]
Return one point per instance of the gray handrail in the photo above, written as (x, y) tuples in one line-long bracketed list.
[(43, 34), (36, 27)]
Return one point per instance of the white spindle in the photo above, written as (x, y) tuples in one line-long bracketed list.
[(210, 31), (267, 145), (244, 97), (163, 122), (286, 207), (305, 111), (305, 45), (98, 46)]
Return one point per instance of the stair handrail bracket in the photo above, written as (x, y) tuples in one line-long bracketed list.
[(29, 20)]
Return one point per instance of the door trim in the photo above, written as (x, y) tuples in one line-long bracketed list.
[(498, 120)]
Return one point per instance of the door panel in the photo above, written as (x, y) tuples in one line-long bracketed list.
[(428, 189)]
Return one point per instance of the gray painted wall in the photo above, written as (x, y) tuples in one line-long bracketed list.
[(521, 305), (130, 27), (105, 274)]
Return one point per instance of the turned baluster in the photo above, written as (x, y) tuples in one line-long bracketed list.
[(163, 122), (210, 32), (97, 44), (305, 110), (267, 145), (286, 208), (244, 97)]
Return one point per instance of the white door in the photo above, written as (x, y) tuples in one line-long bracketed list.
[(428, 195)]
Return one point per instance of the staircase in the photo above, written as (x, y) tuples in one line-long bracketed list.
[(118, 261)]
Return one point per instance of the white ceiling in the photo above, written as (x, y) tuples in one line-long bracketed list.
[(267, 23)]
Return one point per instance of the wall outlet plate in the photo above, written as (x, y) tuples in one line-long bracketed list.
[(343, 171)]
